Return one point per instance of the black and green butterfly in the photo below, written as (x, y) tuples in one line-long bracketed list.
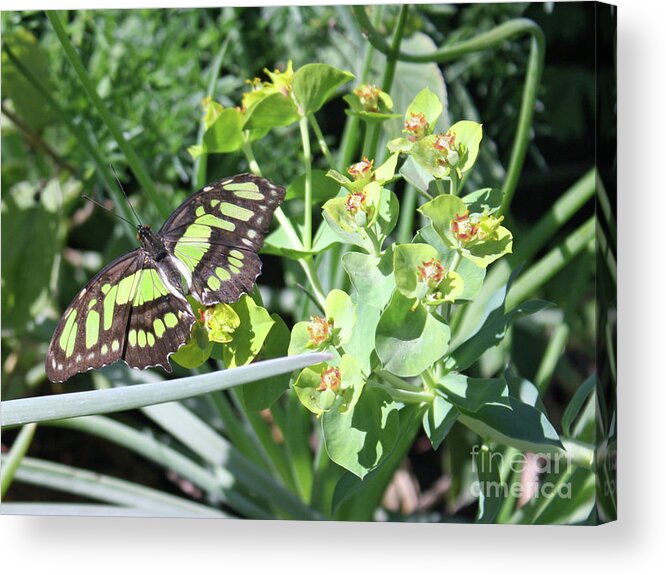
[(135, 309)]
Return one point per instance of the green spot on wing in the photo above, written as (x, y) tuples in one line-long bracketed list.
[(235, 262), (92, 328), (171, 320), (242, 187), (109, 304), (141, 338), (236, 212), (222, 274), (68, 336), (236, 254), (132, 337), (256, 196), (213, 283), (211, 221), (159, 328)]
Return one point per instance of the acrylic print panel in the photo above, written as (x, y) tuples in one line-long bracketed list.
[(380, 277)]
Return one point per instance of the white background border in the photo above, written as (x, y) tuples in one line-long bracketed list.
[(101, 545)]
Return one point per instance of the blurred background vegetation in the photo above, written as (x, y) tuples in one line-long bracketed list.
[(152, 68)]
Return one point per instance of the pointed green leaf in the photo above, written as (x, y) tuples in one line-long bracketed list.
[(438, 420), (409, 339), (315, 84)]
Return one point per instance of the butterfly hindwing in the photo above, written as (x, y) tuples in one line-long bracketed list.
[(91, 333), (159, 323), (125, 312), (217, 232)]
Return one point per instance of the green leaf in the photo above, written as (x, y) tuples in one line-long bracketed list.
[(76, 404), (576, 403), (491, 492), (323, 188), (262, 394), (361, 344), (438, 420), (468, 134), (32, 235), (371, 276), (470, 394), (225, 134), (416, 175), (197, 350), (486, 200), (491, 333), (27, 101), (386, 171), (272, 111), (315, 84), (427, 103), (362, 437), (408, 340), (412, 77), (387, 212), (486, 252), (406, 260), (255, 324), (518, 425), (471, 274), (342, 223), (308, 383), (342, 311), (280, 243), (441, 212)]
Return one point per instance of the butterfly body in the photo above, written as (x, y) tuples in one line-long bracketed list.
[(136, 309)]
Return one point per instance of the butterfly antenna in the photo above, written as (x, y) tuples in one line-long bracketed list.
[(108, 210), (124, 194)]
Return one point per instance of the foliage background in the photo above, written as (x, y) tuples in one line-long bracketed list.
[(156, 94)]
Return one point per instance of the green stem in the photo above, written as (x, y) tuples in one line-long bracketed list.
[(407, 397), (542, 271), (305, 262), (439, 184), (350, 134), (307, 161), (392, 57), (15, 456), (200, 166), (132, 159), (396, 381), (236, 431), (323, 146), (407, 213)]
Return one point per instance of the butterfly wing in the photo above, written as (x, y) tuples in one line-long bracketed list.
[(111, 319), (216, 234)]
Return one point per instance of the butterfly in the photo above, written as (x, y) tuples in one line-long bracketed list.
[(135, 309)]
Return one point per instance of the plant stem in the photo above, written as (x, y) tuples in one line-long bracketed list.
[(323, 146), (132, 159), (200, 166), (307, 161), (350, 133), (15, 455), (439, 184), (402, 395), (392, 57)]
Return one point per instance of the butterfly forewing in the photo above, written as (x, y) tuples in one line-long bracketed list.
[(217, 232)]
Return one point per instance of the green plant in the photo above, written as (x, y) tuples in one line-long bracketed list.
[(406, 279)]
